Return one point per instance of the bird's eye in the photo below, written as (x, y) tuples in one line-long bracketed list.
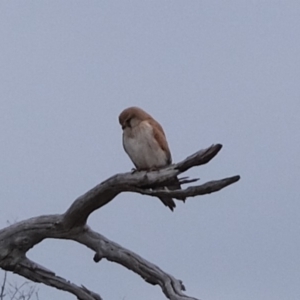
[(128, 124)]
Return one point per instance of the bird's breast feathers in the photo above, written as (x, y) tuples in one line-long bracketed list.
[(142, 147)]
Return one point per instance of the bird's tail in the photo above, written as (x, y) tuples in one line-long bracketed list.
[(168, 201)]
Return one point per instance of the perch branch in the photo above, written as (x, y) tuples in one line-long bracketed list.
[(104, 192), (20, 237), (192, 191)]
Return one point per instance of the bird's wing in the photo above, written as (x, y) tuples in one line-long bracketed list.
[(160, 137)]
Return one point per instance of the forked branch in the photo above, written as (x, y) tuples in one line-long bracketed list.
[(18, 238)]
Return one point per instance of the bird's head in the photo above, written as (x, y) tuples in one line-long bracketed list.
[(132, 116)]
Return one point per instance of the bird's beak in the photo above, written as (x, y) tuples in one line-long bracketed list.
[(123, 126)]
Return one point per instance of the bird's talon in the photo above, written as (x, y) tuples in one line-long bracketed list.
[(133, 170)]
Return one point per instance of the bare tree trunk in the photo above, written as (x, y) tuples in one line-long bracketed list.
[(18, 238)]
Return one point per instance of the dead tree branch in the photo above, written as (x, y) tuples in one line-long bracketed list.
[(18, 238)]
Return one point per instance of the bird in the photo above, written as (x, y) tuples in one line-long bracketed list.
[(145, 143)]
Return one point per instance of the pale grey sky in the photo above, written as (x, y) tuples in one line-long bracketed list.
[(210, 72)]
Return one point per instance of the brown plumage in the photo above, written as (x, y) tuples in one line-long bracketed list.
[(145, 143)]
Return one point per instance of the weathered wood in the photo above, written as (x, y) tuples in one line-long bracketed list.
[(17, 239)]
